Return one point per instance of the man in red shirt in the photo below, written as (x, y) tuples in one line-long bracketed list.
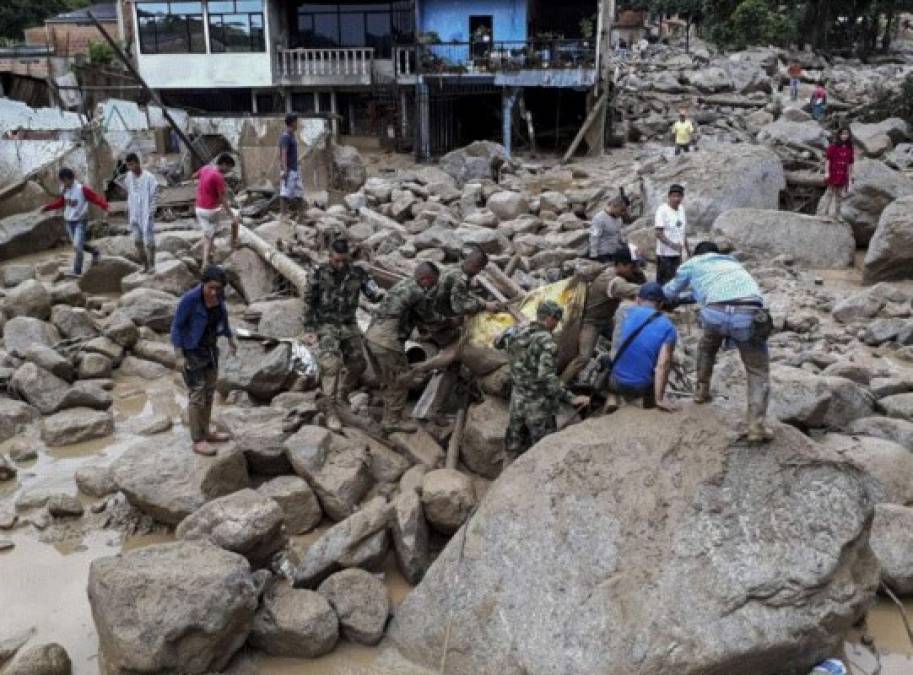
[(795, 72), (212, 197), (838, 173), (74, 199)]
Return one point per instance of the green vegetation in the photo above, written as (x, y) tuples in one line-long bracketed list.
[(100, 53), (859, 27), (17, 15)]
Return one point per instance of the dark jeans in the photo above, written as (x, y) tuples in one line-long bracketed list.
[(201, 372), (666, 267), (648, 393), (77, 231), (680, 148)]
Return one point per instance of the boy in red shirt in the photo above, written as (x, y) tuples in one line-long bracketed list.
[(838, 173), (212, 197), (74, 199)]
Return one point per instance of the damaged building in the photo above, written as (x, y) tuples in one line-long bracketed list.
[(422, 75)]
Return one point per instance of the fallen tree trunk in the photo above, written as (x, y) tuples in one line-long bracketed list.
[(804, 178), (379, 221), (280, 262)]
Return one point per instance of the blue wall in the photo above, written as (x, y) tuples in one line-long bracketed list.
[(450, 18)]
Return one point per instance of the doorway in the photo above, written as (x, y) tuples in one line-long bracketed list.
[(481, 33)]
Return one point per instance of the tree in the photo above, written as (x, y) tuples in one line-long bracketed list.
[(17, 15)]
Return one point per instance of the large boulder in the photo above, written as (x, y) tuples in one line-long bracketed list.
[(244, 522), (507, 205), (171, 276), (149, 307), (251, 272), (182, 607), (875, 185), (15, 416), (788, 132), (170, 483), (300, 508), (892, 542), (868, 302), (280, 318), (890, 254), (337, 469), (27, 233), (76, 425), (73, 322), (295, 623), (482, 449), (448, 499), (888, 464), (262, 374), (410, 536), (30, 298), (349, 171), (24, 331), (475, 161), (106, 275), (360, 601), (810, 241), (549, 575), (898, 431), (753, 179), (49, 393), (876, 139)]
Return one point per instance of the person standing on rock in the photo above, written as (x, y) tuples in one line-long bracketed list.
[(74, 199), (684, 132), (605, 230), (732, 309), (330, 302), (291, 189), (212, 198), (536, 392), (201, 317), (819, 102), (603, 296), (838, 173), (644, 346), (671, 226), (795, 72), (142, 193), (394, 319)]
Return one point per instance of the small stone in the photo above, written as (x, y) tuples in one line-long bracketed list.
[(361, 603), (47, 659), (7, 470), (95, 480), (158, 425), (448, 499), (63, 506), (6, 545), (22, 451), (295, 623)]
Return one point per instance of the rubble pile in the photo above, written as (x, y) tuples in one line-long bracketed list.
[(554, 549)]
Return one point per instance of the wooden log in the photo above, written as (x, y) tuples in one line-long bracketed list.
[(512, 264), (733, 101), (598, 108), (280, 262), (379, 221), (486, 283), (456, 439), (506, 285)]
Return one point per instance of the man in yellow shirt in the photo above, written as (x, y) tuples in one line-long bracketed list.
[(683, 132)]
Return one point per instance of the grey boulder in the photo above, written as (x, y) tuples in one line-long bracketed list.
[(360, 601), (890, 252), (892, 543), (296, 623)]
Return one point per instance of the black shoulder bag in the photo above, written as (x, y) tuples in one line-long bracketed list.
[(607, 363)]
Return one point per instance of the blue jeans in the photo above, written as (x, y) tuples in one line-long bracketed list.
[(77, 231), (733, 323), (793, 88)]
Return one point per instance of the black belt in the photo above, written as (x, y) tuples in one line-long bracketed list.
[(738, 303)]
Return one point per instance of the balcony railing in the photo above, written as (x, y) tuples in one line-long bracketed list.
[(479, 58), (325, 66)]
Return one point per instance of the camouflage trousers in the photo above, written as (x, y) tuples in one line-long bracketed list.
[(341, 356), (531, 419)]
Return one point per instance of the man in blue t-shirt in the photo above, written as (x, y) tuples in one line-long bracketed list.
[(291, 189), (641, 369)]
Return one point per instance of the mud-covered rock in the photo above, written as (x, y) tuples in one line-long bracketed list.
[(181, 607)]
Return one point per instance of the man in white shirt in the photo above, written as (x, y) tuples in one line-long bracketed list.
[(142, 192), (671, 235)]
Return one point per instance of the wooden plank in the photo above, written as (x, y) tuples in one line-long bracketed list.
[(587, 123)]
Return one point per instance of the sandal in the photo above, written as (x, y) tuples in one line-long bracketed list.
[(203, 448)]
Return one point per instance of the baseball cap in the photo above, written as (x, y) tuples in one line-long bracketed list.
[(651, 291), (675, 187)]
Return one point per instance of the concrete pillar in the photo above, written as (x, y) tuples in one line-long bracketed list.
[(253, 101), (316, 101), (508, 99), (333, 110), (423, 143), (403, 115), (287, 95)]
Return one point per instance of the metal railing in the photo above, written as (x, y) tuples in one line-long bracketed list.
[(478, 57), (356, 63)]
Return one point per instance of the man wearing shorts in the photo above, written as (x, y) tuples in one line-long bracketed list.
[(291, 189), (212, 197)]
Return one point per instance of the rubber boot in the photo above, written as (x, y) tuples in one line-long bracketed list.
[(758, 432), (150, 258), (328, 403), (141, 254), (702, 394)]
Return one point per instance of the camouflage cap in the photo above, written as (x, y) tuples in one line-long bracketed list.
[(549, 308)]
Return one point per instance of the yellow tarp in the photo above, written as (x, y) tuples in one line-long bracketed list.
[(479, 353)]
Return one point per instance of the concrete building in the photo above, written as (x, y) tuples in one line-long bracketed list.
[(422, 74), (70, 34)]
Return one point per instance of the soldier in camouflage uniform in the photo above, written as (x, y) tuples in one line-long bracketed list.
[(535, 388), (329, 320), (407, 303), (453, 300)]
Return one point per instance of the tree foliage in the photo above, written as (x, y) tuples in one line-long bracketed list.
[(17, 15), (857, 26)]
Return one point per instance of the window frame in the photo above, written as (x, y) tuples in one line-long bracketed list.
[(388, 9), (256, 44), (142, 32)]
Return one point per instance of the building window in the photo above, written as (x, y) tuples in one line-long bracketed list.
[(236, 26), (171, 27), (332, 25)]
